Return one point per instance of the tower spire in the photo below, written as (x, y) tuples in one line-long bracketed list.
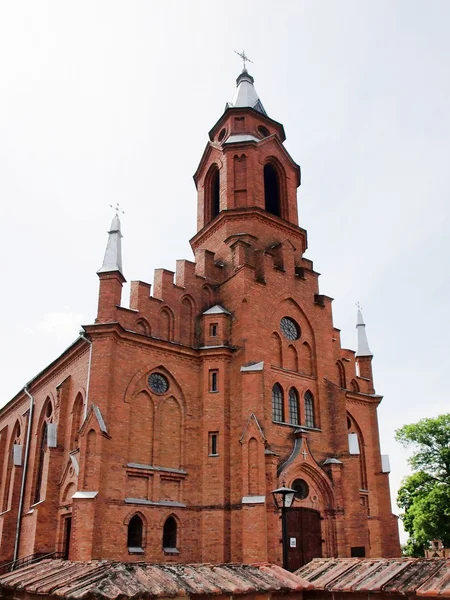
[(245, 94), (112, 260), (363, 344)]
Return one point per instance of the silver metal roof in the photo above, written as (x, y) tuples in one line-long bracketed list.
[(363, 344), (242, 137), (113, 253), (216, 310), (245, 94)]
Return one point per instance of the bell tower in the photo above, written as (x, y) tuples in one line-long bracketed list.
[(246, 180)]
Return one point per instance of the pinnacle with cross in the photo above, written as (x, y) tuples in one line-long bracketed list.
[(358, 305), (244, 57), (117, 209)]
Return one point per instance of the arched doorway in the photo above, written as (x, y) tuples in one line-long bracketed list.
[(304, 534)]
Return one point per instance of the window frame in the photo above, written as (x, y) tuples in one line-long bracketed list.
[(294, 406), (277, 403), (213, 381), (213, 443), (310, 420)]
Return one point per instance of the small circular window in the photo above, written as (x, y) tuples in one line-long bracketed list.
[(222, 134), (290, 329), (301, 489), (263, 131), (158, 383)]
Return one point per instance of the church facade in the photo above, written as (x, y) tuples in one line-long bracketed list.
[(161, 432)]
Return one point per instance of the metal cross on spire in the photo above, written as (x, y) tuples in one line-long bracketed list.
[(117, 209), (358, 305), (244, 57)]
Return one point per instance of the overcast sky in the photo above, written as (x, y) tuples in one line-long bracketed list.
[(105, 102)]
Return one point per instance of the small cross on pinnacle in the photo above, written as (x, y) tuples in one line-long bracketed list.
[(117, 209), (358, 306), (244, 57)]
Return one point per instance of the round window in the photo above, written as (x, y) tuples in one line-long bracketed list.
[(263, 131), (222, 134), (158, 383), (301, 489), (290, 329)]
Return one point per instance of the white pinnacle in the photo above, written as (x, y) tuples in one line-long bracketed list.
[(113, 253), (363, 344)]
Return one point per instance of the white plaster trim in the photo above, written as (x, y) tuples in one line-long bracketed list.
[(253, 500), (84, 495), (255, 367)]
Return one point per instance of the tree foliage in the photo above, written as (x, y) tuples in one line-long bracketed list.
[(425, 495)]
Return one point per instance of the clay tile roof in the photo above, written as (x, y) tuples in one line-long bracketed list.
[(406, 576), (111, 580)]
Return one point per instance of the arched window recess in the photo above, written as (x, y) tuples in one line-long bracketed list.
[(272, 190), (170, 534), (212, 192), (135, 534)]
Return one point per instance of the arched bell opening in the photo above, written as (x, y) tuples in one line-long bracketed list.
[(272, 190), (212, 193)]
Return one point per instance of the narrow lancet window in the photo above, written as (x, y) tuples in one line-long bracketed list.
[(135, 531), (293, 407), (309, 409), (215, 193), (170, 534), (277, 403), (272, 190)]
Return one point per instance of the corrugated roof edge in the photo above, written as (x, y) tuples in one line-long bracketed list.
[(403, 576), (104, 579)]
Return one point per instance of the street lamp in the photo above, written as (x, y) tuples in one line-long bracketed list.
[(283, 498)]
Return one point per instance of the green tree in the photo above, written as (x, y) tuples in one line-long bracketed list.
[(425, 495)]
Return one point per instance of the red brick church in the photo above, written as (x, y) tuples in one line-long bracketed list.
[(161, 432)]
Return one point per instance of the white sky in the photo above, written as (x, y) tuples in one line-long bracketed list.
[(105, 102)]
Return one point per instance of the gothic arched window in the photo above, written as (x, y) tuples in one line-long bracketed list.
[(272, 196), (277, 403), (293, 407), (42, 450), (309, 409), (135, 531), (214, 192), (170, 534), (77, 412)]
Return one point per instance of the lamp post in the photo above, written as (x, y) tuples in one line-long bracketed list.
[(283, 498)]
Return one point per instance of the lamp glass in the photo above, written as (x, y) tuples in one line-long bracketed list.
[(288, 499)]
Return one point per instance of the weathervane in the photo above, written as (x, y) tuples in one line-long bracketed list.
[(117, 209), (244, 57)]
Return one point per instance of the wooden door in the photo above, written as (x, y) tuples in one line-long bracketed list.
[(304, 536)]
